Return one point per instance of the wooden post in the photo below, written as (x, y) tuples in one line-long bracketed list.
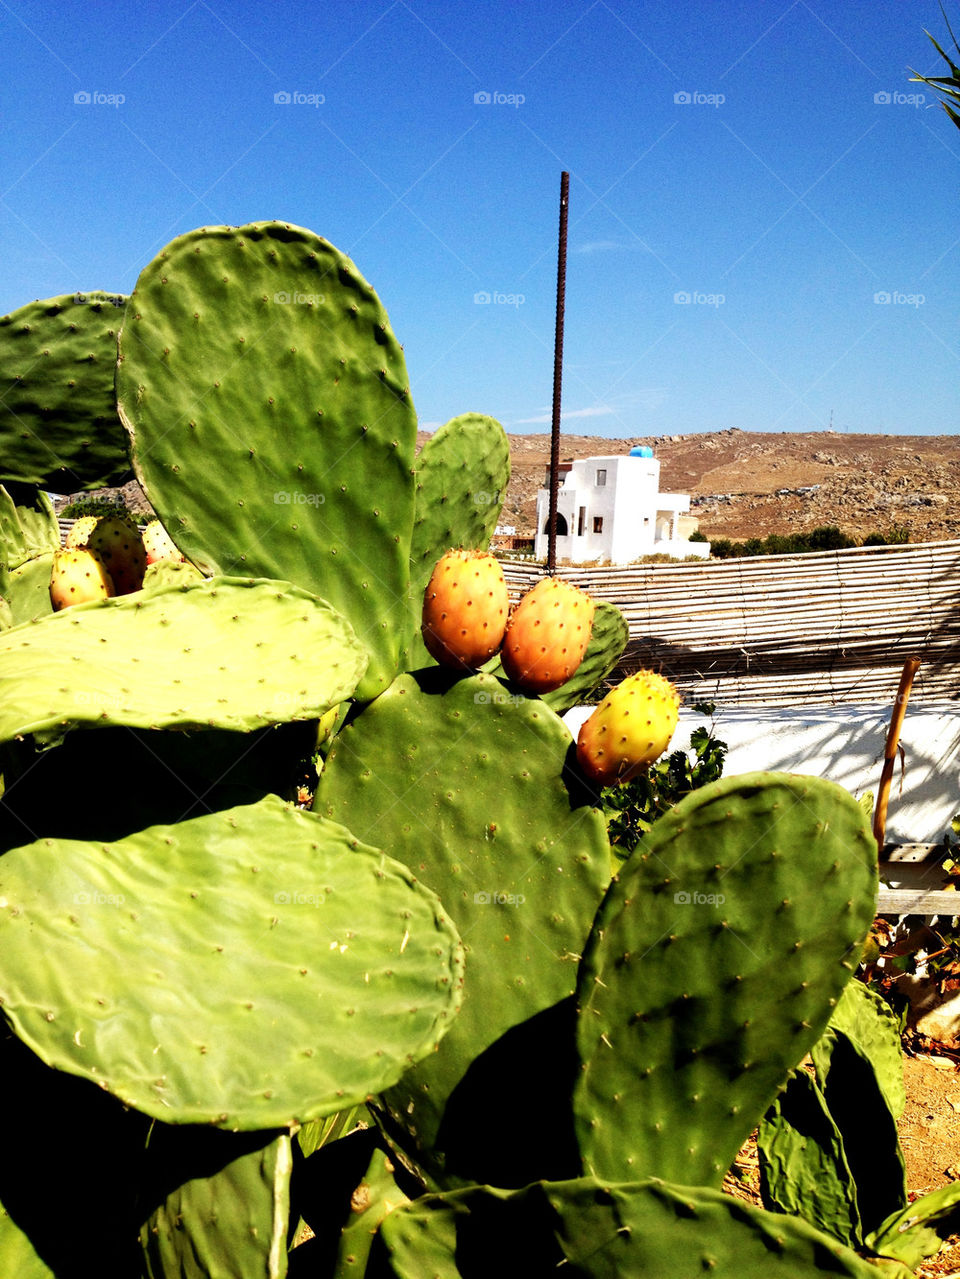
[(910, 668)]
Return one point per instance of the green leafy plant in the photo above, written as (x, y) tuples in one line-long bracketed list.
[(92, 506), (632, 809), (947, 86)]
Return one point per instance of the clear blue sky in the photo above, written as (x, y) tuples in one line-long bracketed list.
[(780, 196)]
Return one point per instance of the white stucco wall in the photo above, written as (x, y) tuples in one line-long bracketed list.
[(846, 744)]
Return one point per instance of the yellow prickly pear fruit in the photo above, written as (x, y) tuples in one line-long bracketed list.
[(629, 730), (465, 609), (159, 545), (547, 635), (117, 541), (81, 530), (78, 575)]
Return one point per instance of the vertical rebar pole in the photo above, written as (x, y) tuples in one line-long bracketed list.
[(557, 376)]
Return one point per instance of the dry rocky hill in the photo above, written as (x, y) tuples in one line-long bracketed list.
[(751, 483)]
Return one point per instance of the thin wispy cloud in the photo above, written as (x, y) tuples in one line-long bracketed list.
[(598, 410), (598, 246)]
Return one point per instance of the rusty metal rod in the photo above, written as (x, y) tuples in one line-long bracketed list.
[(557, 376)]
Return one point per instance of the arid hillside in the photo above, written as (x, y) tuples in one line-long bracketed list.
[(745, 484)]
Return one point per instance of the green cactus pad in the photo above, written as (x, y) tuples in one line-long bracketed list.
[(715, 962), (27, 589), (227, 653), (166, 573), (645, 1230), (263, 348), (803, 1168), (249, 969), (228, 1214), (375, 1197), (919, 1229), (27, 528), (860, 1073), (462, 474), (463, 782), (17, 1254), (58, 419), (867, 1021)]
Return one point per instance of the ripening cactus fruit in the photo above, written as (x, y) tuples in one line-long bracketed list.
[(116, 539), (159, 545), (629, 730), (81, 530), (78, 575), (465, 607), (547, 635)]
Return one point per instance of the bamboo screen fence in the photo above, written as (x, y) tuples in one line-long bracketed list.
[(823, 628)]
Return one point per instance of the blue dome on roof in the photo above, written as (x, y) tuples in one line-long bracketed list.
[(641, 450)]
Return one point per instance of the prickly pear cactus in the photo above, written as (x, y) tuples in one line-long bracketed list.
[(159, 545), (29, 539), (79, 576), (608, 639), (58, 418), (629, 730), (462, 473), (263, 347), (465, 609), (226, 653), (461, 477), (220, 970), (28, 527), (547, 635), (714, 964), (464, 782), (600, 1230), (116, 539), (229, 1211)]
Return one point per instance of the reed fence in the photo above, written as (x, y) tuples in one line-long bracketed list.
[(814, 629)]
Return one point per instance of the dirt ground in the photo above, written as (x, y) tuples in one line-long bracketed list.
[(860, 483)]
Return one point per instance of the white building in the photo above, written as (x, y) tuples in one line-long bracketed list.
[(611, 509)]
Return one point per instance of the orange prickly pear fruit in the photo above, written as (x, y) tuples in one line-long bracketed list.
[(159, 545), (547, 635), (78, 575), (630, 729), (465, 609), (117, 541)]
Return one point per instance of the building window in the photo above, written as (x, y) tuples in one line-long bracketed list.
[(598, 524), (601, 478), (561, 525), (581, 521)]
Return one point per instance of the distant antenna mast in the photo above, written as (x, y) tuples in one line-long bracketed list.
[(830, 427), (557, 376)]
